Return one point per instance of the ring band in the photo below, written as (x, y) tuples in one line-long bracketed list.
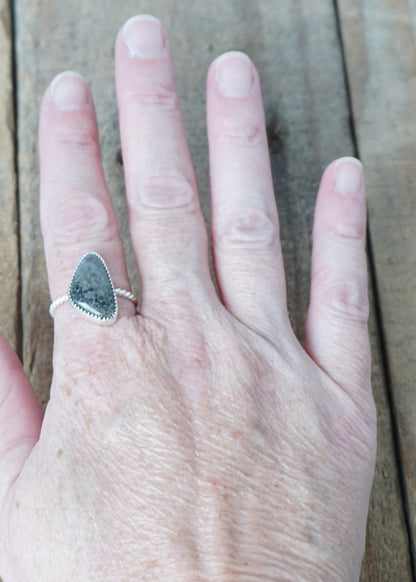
[(92, 292)]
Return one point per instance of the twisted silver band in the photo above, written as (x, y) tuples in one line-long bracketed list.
[(63, 298)]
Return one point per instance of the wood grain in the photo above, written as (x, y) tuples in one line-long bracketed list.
[(381, 56), (295, 45), (9, 248), (387, 556)]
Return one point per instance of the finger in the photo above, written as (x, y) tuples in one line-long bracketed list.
[(167, 227), (336, 328), (245, 228), (20, 417), (76, 211)]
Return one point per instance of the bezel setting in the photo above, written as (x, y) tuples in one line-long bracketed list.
[(96, 317)]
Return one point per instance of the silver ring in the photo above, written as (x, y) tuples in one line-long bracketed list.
[(92, 292)]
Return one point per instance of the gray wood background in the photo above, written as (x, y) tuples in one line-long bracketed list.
[(338, 78)]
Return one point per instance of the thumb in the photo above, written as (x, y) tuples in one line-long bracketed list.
[(20, 417)]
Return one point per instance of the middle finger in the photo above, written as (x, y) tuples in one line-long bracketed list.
[(167, 227)]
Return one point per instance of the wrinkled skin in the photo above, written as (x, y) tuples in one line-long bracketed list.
[(197, 440)]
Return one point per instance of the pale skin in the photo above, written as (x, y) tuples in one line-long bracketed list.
[(197, 440)]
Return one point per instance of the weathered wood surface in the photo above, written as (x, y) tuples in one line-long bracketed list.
[(295, 45), (387, 556), (380, 44), (9, 247)]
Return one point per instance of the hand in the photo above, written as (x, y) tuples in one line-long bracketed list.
[(197, 440)]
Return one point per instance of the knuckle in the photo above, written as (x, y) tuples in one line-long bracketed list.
[(244, 135), (82, 217), (247, 227), (352, 301), (346, 220), (347, 300), (155, 95), (96, 346), (172, 190), (82, 138), (244, 404), (349, 231)]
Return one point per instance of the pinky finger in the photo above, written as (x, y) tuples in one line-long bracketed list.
[(336, 334), (20, 417)]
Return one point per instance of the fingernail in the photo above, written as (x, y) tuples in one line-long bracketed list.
[(234, 74), (143, 36), (349, 176), (69, 91)]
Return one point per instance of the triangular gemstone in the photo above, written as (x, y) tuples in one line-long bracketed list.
[(91, 289)]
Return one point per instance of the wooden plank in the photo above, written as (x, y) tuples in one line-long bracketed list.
[(295, 47), (387, 556), (9, 248), (381, 56)]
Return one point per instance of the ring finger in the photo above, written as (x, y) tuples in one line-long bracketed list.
[(76, 211)]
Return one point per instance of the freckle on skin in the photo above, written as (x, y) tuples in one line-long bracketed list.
[(17, 504), (59, 453), (67, 389)]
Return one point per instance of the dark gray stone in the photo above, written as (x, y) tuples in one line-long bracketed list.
[(91, 289)]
